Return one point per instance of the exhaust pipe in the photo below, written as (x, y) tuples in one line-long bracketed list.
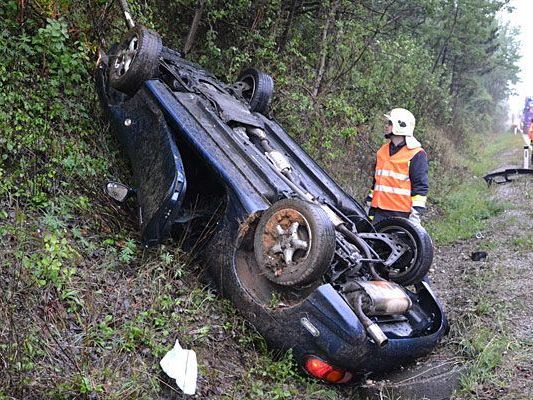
[(373, 329)]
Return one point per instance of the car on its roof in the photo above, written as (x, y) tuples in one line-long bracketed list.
[(295, 253)]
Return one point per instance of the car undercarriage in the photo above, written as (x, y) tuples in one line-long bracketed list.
[(294, 252)]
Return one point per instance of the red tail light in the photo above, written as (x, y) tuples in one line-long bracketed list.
[(322, 370)]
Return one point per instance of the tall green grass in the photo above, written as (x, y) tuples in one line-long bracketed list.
[(466, 211), (466, 208)]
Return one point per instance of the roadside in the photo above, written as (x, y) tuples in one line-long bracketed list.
[(488, 302)]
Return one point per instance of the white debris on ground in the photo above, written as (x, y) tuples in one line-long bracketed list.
[(180, 364)]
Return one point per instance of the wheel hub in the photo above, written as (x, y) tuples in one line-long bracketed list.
[(126, 56), (286, 240), (249, 88)]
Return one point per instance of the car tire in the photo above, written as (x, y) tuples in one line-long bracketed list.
[(259, 89), (136, 60), (171, 54), (294, 242), (413, 265)]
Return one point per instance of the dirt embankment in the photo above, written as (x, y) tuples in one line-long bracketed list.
[(489, 302)]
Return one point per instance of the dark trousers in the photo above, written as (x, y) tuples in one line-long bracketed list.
[(380, 214)]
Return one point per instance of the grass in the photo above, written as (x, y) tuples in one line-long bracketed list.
[(466, 211), (486, 350), (480, 333), (524, 242), (485, 342), (486, 152), (469, 205)]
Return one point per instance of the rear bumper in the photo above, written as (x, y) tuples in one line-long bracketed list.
[(341, 339)]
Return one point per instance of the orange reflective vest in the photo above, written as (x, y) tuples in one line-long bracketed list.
[(392, 190)]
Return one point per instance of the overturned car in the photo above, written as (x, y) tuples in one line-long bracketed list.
[(288, 246)]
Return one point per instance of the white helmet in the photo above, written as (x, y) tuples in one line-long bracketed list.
[(403, 124)]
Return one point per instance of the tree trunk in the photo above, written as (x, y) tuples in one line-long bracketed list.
[(285, 36), (444, 48), (191, 36), (321, 68)]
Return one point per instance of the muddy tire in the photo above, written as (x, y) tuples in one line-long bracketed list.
[(414, 264), (259, 89), (294, 242), (135, 61)]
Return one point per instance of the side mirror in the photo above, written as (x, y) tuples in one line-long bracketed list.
[(118, 191)]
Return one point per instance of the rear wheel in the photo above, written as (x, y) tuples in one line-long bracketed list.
[(414, 264), (257, 89), (294, 242), (135, 60)]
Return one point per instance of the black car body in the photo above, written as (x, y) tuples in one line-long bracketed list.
[(191, 140)]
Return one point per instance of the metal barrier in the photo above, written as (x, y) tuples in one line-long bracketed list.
[(510, 173)]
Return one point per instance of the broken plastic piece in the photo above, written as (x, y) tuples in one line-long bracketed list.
[(479, 256), (181, 365)]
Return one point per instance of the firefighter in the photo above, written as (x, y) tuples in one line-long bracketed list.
[(400, 183)]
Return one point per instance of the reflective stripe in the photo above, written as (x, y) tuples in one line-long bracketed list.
[(392, 186), (419, 200), (392, 174), (390, 189)]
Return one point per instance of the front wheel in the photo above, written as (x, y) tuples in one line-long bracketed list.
[(135, 60), (294, 242), (414, 264)]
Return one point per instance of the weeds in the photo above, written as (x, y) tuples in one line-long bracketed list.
[(486, 350), (523, 242), (468, 207), (466, 211), (480, 329)]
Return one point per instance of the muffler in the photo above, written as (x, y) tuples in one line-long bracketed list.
[(385, 298), (379, 298)]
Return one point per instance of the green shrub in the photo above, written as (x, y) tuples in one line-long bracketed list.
[(47, 128)]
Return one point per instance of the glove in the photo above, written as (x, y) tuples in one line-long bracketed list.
[(368, 204), (414, 217)]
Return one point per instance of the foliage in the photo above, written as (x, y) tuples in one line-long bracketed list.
[(42, 127), (339, 65)]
